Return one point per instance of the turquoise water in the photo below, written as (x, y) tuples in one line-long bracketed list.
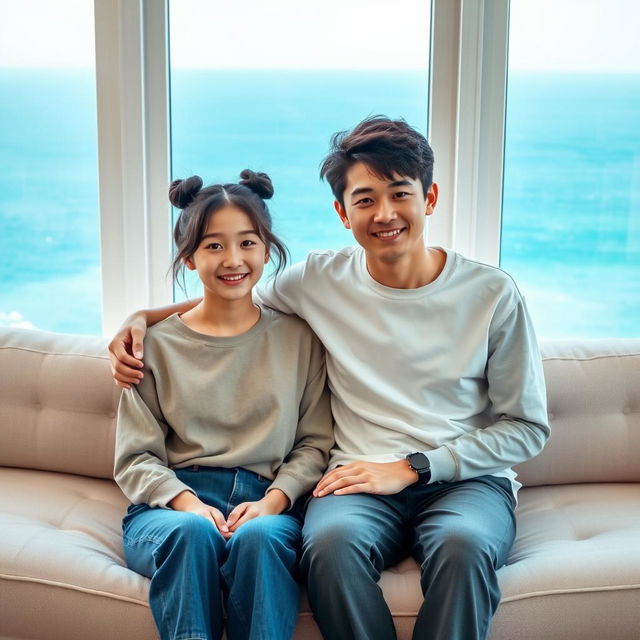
[(571, 228)]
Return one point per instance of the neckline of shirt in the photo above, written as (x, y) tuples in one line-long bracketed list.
[(407, 294), (221, 341)]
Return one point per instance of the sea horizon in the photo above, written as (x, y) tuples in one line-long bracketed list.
[(571, 217)]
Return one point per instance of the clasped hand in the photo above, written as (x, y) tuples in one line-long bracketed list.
[(383, 478), (273, 503)]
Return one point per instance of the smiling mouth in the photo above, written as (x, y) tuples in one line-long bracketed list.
[(388, 234), (233, 278)]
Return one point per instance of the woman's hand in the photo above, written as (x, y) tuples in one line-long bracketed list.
[(274, 502), (187, 501), (126, 350)]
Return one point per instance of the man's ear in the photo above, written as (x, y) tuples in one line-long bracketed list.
[(431, 198), (189, 263), (342, 213)]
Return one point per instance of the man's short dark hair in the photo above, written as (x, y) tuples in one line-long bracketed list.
[(388, 147)]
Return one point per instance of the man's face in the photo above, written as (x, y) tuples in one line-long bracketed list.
[(386, 217)]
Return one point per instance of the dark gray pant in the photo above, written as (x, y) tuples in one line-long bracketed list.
[(459, 532)]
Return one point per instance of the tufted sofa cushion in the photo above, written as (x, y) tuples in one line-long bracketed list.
[(593, 398), (57, 403)]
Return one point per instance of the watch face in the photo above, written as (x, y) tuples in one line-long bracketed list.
[(419, 461)]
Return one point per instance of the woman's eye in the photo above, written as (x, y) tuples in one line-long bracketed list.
[(214, 245), (247, 243)]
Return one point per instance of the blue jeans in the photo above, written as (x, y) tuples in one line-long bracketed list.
[(197, 575), (460, 533)]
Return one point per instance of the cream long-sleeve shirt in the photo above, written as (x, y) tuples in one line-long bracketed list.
[(257, 401), (451, 369)]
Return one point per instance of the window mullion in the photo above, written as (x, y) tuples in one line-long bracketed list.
[(469, 66), (132, 155)]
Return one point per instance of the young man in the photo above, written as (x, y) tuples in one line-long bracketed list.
[(437, 390)]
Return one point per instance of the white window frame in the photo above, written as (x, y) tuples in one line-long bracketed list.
[(469, 40), (133, 155), (466, 124)]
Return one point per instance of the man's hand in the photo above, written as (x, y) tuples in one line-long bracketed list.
[(187, 501), (126, 351), (384, 478), (274, 502)]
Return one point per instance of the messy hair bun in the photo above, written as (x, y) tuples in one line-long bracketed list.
[(260, 183), (183, 192)]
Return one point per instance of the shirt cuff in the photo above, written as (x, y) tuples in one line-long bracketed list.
[(167, 491), (289, 485), (443, 465)]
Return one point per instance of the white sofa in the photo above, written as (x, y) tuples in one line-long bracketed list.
[(574, 572)]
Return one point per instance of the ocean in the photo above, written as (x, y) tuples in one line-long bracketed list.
[(571, 220)]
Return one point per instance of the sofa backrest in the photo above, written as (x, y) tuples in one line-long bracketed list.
[(58, 405), (593, 400)]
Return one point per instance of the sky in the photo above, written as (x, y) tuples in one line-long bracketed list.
[(546, 35)]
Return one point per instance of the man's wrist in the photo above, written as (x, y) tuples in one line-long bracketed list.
[(410, 472), (420, 465)]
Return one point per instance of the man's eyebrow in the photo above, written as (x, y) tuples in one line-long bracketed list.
[(240, 233), (396, 183), (359, 190)]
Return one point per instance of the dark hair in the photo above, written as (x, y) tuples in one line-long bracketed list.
[(199, 204), (387, 147)]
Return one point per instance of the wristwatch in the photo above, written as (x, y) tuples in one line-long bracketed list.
[(420, 464)]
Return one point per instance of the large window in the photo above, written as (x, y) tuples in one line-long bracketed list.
[(571, 216), (264, 85), (49, 238)]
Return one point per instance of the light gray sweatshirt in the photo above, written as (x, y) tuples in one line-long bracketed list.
[(257, 401), (451, 369)]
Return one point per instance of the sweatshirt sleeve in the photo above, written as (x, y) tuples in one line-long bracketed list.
[(517, 394), (284, 292), (308, 459), (141, 465)]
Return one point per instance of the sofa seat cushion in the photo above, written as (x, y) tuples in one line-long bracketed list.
[(62, 572), (573, 567)]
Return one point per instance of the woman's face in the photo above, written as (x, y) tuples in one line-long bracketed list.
[(231, 255)]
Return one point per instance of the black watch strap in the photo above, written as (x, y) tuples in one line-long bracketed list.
[(420, 464)]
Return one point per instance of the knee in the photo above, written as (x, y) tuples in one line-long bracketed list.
[(462, 548), (334, 547), (265, 532), (191, 532)]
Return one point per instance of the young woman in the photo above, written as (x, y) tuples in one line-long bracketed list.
[(228, 428)]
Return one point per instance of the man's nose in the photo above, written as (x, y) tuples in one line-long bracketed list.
[(385, 212)]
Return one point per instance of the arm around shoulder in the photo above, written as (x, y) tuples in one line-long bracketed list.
[(126, 348)]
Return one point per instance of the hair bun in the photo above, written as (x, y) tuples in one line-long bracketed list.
[(260, 183), (183, 192)]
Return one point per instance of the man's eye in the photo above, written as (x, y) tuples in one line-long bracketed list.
[(402, 194), (364, 201)]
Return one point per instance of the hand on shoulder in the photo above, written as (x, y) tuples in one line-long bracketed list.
[(126, 351)]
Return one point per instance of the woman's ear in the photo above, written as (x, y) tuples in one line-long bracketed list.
[(189, 263), (267, 257)]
